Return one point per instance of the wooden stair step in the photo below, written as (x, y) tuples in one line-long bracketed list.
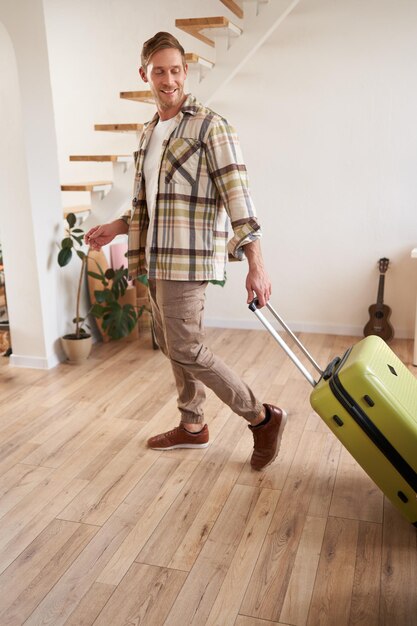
[(119, 128), (234, 7), (100, 185), (138, 96), (198, 64), (113, 158), (192, 58), (80, 208), (199, 26)]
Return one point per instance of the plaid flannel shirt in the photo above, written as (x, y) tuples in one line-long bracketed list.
[(202, 183)]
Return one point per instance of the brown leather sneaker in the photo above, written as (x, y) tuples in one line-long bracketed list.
[(179, 438), (267, 439)]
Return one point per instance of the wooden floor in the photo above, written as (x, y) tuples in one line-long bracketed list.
[(97, 529)]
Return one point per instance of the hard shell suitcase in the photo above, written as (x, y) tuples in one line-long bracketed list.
[(368, 398)]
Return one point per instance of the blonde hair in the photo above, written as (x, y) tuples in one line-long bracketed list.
[(160, 41)]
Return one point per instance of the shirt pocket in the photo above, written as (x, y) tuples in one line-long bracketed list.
[(181, 161)]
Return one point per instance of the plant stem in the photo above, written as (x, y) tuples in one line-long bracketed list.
[(80, 282)]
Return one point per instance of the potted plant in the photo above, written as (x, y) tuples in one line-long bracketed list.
[(76, 345), (117, 320)]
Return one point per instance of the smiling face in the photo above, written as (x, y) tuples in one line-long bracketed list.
[(166, 75)]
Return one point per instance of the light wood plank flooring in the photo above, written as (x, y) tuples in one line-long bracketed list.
[(98, 530)]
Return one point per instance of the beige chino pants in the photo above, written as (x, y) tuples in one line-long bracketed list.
[(178, 313)]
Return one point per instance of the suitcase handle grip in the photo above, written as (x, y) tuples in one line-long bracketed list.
[(328, 372), (253, 306)]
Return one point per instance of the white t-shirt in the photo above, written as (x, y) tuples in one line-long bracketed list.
[(151, 167)]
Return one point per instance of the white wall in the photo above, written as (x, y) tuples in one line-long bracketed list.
[(325, 111), (330, 140), (29, 186)]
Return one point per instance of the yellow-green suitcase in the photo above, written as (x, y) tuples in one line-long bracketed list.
[(368, 398)]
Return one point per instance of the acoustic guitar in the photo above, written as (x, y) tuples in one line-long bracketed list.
[(380, 313)]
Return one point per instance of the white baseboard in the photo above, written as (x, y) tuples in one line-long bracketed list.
[(34, 362), (351, 331)]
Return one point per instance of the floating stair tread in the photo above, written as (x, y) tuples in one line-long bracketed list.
[(119, 128), (99, 185), (113, 158), (80, 208), (138, 96), (194, 58), (234, 7), (197, 25)]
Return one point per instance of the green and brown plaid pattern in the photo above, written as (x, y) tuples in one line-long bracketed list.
[(202, 186)]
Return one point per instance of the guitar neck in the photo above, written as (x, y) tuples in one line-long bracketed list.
[(380, 296)]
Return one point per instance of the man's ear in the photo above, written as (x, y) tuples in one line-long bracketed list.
[(142, 74)]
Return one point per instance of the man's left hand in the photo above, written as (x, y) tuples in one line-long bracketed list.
[(258, 285)]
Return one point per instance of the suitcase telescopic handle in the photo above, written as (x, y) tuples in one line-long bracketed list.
[(254, 307)]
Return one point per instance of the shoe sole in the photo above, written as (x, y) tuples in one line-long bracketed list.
[(181, 445), (279, 438)]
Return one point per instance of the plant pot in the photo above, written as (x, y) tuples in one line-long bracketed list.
[(76, 349)]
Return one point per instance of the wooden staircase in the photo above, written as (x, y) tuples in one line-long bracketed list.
[(110, 158), (234, 44), (201, 27), (93, 187), (138, 96), (234, 7), (119, 128), (196, 61)]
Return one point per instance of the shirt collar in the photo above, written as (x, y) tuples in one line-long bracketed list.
[(190, 106)]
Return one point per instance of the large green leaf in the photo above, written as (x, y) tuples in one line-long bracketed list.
[(104, 296), (109, 273), (71, 219), (95, 275), (97, 310), (120, 282), (66, 243), (64, 256), (119, 321)]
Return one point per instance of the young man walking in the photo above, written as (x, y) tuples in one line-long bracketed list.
[(190, 177)]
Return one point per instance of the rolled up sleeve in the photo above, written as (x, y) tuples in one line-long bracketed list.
[(126, 217), (229, 174)]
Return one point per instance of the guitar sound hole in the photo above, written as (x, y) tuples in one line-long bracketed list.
[(379, 315)]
